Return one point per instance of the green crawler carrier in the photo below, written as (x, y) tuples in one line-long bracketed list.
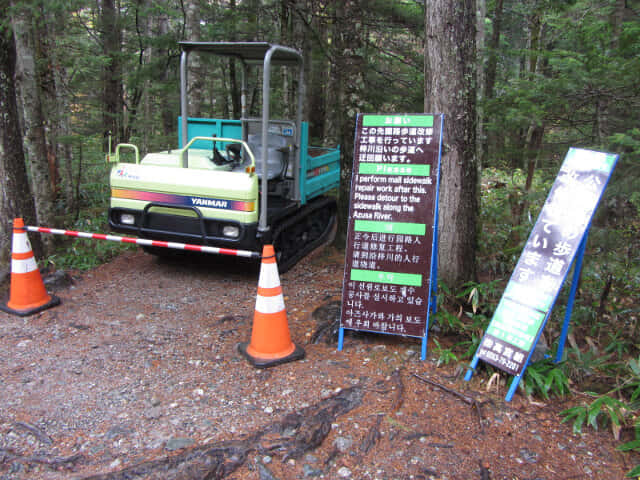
[(235, 184)]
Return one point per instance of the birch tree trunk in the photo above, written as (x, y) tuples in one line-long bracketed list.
[(15, 196), (450, 58)]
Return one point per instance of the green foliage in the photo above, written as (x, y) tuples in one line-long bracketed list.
[(469, 322), (504, 232), (84, 254), (586, 364), (633, 446), (465, 323), (559, 76), (445, 355), (603, 410), (616, 412), (545, 378), (633, 382)]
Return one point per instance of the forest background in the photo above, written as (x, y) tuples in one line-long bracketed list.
[(529, 79)]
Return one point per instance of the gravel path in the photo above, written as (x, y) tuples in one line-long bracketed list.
[(139, 367)]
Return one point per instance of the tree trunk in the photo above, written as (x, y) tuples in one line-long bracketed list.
[(195, 76), (344, 75), (133, 85), (236, 94), (15, 196), (44, 45), (112, 94), (61, 105), (490, 74), (300, 37), (481, 13), (602, 107), (317, 85), (450, 89), (33, 116), (492, 60), (166, 112)]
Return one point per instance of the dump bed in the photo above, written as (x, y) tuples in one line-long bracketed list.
[(319, 166)]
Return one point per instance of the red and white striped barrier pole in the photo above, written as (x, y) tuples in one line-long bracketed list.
[(148, 243)]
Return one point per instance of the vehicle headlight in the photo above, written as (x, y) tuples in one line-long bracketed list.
[(231, 231), (128, 219)]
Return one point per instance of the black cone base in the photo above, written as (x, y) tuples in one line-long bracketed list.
[(297, 354), (30, 311)]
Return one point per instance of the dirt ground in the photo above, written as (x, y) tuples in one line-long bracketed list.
[(137, 375)]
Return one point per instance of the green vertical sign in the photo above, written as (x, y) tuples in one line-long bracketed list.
[(545, 260)]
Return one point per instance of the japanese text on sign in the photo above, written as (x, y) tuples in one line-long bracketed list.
[(546, 259)]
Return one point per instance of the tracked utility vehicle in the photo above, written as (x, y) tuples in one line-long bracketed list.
[(234, 184)]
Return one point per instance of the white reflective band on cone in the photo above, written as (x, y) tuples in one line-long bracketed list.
[(269, 276), (269, 304), (20, 243), (23, 266)]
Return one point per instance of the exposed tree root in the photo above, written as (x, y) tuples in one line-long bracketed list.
[(310, 427), (475, 404), (8, 455)]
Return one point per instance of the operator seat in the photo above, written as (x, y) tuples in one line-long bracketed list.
[(277, 154)]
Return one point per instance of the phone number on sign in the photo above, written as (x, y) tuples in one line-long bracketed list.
[(499, 359)]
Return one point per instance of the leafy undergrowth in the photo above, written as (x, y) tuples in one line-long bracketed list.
[(83, 254)]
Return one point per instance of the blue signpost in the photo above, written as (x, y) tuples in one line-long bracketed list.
[(390, 275), (557, 240)]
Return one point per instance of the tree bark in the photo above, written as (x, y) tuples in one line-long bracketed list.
[(450, 54), (481, 13), (25, 36), (195, 80), (59, 117), (15, 196), (344, 101), (112, 95), (317, 86), (236, 94), (490, 74)]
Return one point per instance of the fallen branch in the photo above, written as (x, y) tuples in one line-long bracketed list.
[(372, 436), (9, 455), (35, 431), (397, 379), (465, 398)]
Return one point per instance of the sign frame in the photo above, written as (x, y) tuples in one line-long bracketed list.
[(576, 261), (433, 269)]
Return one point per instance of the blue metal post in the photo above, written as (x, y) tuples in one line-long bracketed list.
[(433, 281), (423, 351), (577, 268), (472, 367), (514, 386), (340, 338)]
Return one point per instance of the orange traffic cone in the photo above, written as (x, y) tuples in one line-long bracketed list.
[(27, 294), (270, 339)]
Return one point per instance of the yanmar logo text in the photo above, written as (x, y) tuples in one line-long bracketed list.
[(209, 202)]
